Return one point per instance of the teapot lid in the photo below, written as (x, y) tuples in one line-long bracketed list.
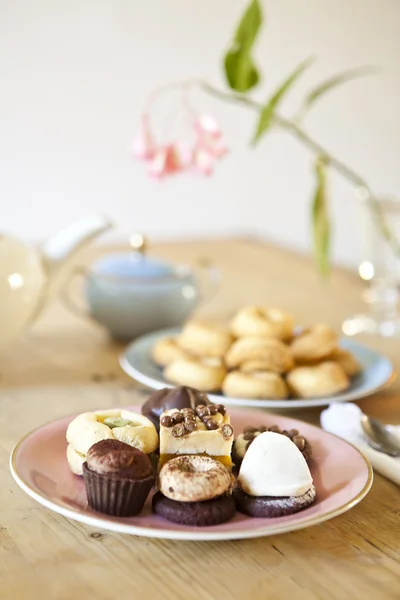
[(131, 266), (135, 264)]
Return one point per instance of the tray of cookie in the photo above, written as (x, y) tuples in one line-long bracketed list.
[(261, 358)]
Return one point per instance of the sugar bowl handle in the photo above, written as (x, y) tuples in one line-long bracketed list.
[(209, 277)]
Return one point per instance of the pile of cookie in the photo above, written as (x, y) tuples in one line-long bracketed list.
[(182, 451), (259, 354)]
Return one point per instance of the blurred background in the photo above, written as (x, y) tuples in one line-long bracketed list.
[(75, 77)]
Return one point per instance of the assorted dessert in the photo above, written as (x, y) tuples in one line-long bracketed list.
[(118, 478), (122, 425), (183, 448), (260, 354), (204, 430), (274, 478), (247, 437)]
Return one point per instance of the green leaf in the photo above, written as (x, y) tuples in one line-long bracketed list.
[(267, 113), (320, 219), (249, 25), (240, 70), (335, 81)]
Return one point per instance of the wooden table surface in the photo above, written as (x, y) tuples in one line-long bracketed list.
[(64, 365)]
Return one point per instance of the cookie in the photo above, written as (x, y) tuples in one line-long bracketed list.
[(200, 514), (204, 374), (269, 507)]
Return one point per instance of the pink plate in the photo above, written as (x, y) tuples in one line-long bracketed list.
[(341, 475)]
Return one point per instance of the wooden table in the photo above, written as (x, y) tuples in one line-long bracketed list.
[(64, 365)]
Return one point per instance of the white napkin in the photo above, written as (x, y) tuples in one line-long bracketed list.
[(343, 419)]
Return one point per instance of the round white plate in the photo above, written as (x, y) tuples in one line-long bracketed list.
[(341, 474), (377, 371)]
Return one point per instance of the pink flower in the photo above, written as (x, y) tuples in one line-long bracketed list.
[(209, 136), (144, 146), (203, 161), (165, 161), (169, 159)]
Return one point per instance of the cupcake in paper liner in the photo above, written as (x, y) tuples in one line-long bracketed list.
[(118, 478)]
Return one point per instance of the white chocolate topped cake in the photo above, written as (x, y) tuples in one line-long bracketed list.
[(205, 430)]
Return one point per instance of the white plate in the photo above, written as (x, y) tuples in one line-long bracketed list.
[(377, 371)]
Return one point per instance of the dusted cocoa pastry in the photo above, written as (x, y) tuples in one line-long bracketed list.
[(262, 321), (243, 441), (194, 478), (166, 350), (325, 379), (314, 344), (205, 339), (206, 374), (258, 384), (167, 398), (123, 425), (205, 430), (274, 479), (194, 490), (118, 478), (259, 354)]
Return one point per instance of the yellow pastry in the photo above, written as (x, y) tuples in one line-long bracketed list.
[(314, 344), (346, 360), (205, 339), (166, 350), (259, 354), (91, 427), (204, 374), (262, 321), (260, 384), (325, 379)]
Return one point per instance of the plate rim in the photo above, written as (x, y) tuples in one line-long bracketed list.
[(295, 403), (199, 535)]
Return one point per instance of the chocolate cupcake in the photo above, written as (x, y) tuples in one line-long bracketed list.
[(167, 398), (118, 478)]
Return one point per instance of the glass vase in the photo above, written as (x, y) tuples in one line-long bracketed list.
[(380, 268)]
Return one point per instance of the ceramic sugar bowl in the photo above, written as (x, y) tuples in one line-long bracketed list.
[(132, 294)]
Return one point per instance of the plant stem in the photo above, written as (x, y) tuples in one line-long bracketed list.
[(319, 150)]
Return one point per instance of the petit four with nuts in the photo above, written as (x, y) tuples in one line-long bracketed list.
[(203, 430), (123, 425)]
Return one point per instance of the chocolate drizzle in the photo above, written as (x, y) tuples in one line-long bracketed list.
[(166, 399)]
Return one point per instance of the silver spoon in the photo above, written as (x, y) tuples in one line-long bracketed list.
[(380, 437)]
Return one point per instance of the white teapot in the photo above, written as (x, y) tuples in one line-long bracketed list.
[(30, 276)]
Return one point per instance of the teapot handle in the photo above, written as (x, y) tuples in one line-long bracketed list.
[(66, 297), (209, 278)]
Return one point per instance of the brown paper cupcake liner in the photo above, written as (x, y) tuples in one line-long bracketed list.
[(115, 496)]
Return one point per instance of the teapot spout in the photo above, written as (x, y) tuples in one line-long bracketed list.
[(59, 251)]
